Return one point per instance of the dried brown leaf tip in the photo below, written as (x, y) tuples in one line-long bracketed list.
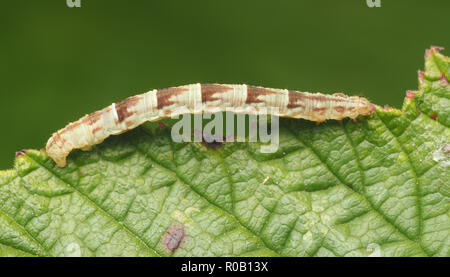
[(433, 49), (421, 75), (410, 94), (174, 238), (21, 153)]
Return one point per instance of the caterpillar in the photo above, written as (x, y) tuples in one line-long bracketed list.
[(117, 118)]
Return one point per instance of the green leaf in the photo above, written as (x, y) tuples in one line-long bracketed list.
[(379, 186)]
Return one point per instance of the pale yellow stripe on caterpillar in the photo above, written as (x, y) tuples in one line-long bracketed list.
[(117, 118)]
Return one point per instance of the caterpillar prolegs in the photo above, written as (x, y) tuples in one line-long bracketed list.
[(209, 98)]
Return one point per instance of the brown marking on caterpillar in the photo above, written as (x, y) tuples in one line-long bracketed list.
[(339, 94), (254, 92), (174, 238), (72, 126), (337, 97), (319, 110), (295, 100), (161, 125), (95, 128), (340, 109), (92, 118), (60, 141), (129, 123), (209, 90), (164, 96), (123, 106)]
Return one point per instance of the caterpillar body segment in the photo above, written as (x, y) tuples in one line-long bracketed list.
[(154, 105)]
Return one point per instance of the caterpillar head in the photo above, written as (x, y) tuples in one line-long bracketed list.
[(365, 107), (55, 150)]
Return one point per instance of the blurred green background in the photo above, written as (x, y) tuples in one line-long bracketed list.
[(57, 63)]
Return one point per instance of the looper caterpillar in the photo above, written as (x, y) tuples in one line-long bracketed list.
[(209, 98)]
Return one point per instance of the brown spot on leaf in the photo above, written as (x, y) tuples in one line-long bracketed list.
[(209, 90), (164, 95), (433, 116), (173, 238), (215, 141), (161, 125), (254, 92), (444, 80), (213, 145), (123, 106)]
